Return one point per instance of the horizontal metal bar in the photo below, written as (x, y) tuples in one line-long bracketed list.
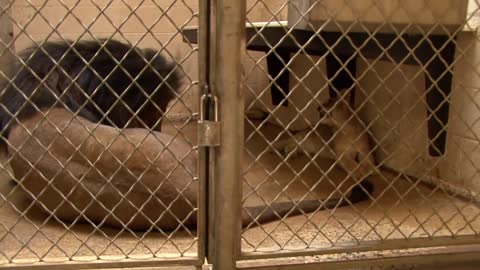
[(386, 46), (369, 246), (126, 263), (465, 257)]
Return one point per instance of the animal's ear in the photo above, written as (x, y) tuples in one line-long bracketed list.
[(330, 103), (322, 111), (325, 107), (52, 80), (55, 80)]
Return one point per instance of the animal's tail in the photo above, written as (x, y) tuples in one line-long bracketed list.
[(277, 211)]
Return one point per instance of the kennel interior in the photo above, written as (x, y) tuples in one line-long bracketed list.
[(410, 69)]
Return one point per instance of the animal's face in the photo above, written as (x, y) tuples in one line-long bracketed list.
[(336, 110), (325, 109)]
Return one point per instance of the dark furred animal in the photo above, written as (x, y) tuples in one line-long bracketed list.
[(111, 83), (105, 82)]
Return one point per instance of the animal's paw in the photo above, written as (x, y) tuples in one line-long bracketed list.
[(287, 147), (256, 114)]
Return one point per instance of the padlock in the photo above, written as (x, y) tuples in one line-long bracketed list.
[(208, 131)]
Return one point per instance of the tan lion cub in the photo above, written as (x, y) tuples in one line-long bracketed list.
[(349, 144)]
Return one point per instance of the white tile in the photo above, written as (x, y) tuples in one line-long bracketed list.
[(397, 113), (464, 120), (467, 61), (462, 163)]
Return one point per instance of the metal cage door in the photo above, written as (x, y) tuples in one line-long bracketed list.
[(228, 45)]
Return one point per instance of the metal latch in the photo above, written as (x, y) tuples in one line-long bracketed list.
[(208, 131)]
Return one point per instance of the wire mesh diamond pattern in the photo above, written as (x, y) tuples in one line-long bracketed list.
[(400, 73), (32, 231), (392, 63)]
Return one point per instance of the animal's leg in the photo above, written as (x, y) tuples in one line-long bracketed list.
[(305, 142), (367, 164), (348, 163), (256, 114), (291, 145), (252, 216)]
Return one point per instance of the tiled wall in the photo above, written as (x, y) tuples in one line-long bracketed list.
[(397, 112), (462, 164), (402, 127)]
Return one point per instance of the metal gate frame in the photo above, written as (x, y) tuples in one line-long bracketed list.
[(225, 231), (203, 165), (221, 47), (227, 47)]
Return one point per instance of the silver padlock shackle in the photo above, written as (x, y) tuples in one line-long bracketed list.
[(203, 100)]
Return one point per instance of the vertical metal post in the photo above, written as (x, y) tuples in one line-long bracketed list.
[(230, 47), (6, 34), (7, 60), (212, 165), (203, 153)]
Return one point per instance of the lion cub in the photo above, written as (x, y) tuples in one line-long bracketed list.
[(349, 144)]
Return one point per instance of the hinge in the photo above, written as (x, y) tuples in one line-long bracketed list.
[(208, 130)]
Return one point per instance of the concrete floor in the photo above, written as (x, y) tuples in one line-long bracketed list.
[(401, 209)]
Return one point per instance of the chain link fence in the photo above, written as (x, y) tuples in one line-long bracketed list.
[(82, 192), (336, 93), (403, 71)]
